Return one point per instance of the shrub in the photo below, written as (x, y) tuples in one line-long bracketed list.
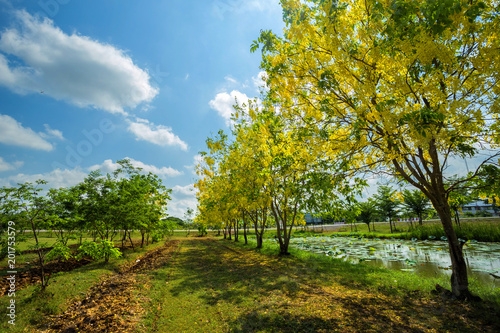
[(60, 251), (104, 249)]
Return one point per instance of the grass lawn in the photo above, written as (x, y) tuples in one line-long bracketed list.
[(215, 285), (218, 286)]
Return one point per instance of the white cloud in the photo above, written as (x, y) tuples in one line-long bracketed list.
[(259, 81), (6, 166), (197, 159), (70, 177), (56, 178), (108, 167), (51, 133), (188, 190), (223, 103), (178, 207), (157, 134), (73, 68), (229, 79), (13, 133)]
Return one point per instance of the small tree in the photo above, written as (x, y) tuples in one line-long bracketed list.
[(387, 204), (188, 220), (62, 214), (415, 202), (30, 210), (367, 212)]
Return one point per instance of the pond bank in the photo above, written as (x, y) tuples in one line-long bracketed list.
[(424, 258), (482, 230)]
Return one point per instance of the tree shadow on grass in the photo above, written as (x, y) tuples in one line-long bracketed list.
[(259, 322), (352, 314), (227, 276), (239, 277)]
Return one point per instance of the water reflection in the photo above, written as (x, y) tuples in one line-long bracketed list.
[(426, 258)]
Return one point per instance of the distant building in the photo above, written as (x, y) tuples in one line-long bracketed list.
[(478, 206), (310, 219)]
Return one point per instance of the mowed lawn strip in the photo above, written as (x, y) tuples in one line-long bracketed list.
[(216, 286)]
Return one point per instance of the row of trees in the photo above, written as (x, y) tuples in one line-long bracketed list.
[(354, 87), (266, 174), (103, 205), (387, 205)]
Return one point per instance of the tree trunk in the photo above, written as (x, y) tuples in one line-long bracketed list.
[(130, 239), (40, 256), (124, 238), (258, 234), (42, 269), (245, 232), (236, 231), (459, 279), (281, 230), (457, 216), (435, 191), (259, 241)]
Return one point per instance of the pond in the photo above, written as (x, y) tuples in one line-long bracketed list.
[(426, 258)]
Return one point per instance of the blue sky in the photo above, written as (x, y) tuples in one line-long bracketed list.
[(86, 83)]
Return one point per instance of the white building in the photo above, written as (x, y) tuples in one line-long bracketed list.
[(480, 206)]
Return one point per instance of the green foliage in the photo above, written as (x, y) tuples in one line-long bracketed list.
[(126, 200), (483, 232), (175, 220), (387, 204), (202, 230), (29, 210), (60, 251), (416, 204), (367, 211), (104, 249)]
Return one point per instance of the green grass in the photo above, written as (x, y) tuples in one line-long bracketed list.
[(469, 229), (209, 289), (33, 306), (398, 282), (480, 231), (215, 285), (348, 273)]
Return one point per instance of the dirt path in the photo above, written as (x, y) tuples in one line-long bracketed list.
[(116, 303)]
